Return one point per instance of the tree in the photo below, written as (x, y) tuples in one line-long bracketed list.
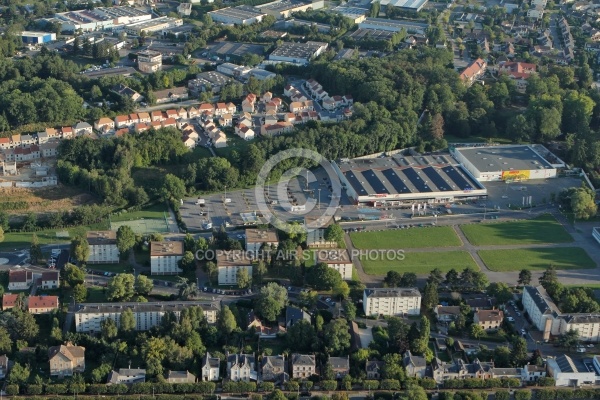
[(392, 367), (127, 321), (301, 336), (277, 395), (324, 278), (392, 279), (80, 249), (336, 336), (5, 341), (79, 293), (549, 278), (430, 296), (35, 251), (570, 339), (108, 328), (261, 270), (583, 203), (500, 291), (226, 321), (519, 352), (452, 277), (374, 10), (342, 290), (173, 188), (350, 310), (244, 280), (187, 289), (120, 287), (188, 262), (143, 285), (272, 298), (334, 233), (435, 276), (125, 240), (524, 277), (502, 357), (19, 374), (476, 331), (73, 274)]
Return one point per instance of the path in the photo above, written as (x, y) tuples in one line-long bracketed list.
[(367, 280)]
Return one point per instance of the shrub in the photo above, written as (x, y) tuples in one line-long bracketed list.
[(502, 395), (12, 390)]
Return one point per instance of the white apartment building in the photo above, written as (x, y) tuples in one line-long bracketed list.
[(392, 301), (164, 258), (229, 264), (103, 247), (547, 317), (255, 238), (89, 316), (149, 61), (338, 259)]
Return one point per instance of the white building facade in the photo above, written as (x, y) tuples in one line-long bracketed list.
[(392, 301), (165, 257), (103, 247)]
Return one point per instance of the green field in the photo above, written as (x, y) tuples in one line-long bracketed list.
[(543, 229), (96, 294), (420, 263), (156, 211), (537, 259), (22, 240), (439, 236), (115, 268)]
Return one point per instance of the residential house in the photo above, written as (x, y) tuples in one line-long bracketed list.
[(274, 369), (338, 259), (566, 373), (303, 366), (127, 92), (415, 365), (50, 280), (126, 376), (157, 116), (49, 149), (474, 71), (182, 113), (220, 140), (226, 120), (248, 104), (180, 377), (210, 368), (5, 142), (340, 366), (531, 373), (348, 100), (19, 279), (294, 314), (446, 313), (42, 304), (373, 369), (27, 140), (271, 106), (103, 247), (489, 319), (275, 129), (66, 359), (206, 109), (172, 114), (171, 95), (256, 238), (27, 153), (245, 132), (169, 123), (481, 303), (266, 97), (4, 366), (329, 103), (241, 367), (9, 300), (188, 142), (141, 127), (193, 112), (299, 106), (15, 140), (102, 123), (66, 132), (122, 121), (82, 128), (518, 71), (392, 301), (165, 257)]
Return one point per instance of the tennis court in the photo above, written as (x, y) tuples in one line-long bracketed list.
[(143, 226)]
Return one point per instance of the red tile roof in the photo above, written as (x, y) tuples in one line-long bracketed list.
[(9, 300), (35, 302)]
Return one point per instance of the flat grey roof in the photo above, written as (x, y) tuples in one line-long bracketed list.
[(283, 5), (101, 308), (394, 24), (393, 292), (413, 5), (504, 158), (376, 34), (124, 71), (237, 49), (239, 12), (297, 50)]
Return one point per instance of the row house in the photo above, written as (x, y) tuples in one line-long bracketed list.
[(82, 128), (248, 104), (104, 123), (474, 71), (193, 112), (518, 71), (26, 153), (42, 304), (5, 143), (206, 109), (275, 129), (273, 104), (241, 367), (226, 120), (266, 97), (222, 109), (294, 94), (158, 116), (296, 107)]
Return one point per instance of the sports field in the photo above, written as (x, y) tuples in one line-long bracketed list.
[(543, 229), (420, 263), (411, 238), (143, 226), (537, 259), (155, 211)]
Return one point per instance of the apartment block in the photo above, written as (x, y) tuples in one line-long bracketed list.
[(103, 247), (255, 238), (392, 301), (338, 259), (164, 258), (229, 264)]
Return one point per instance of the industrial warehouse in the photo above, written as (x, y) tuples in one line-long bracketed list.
[(401, 179), (508, 163)]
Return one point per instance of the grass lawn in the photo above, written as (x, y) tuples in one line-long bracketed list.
[(543, 229), (142, 256), (438, 236), (96, 294), (421, 263), (537, 259), (22, 240), (234, 142), (156, 211)]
